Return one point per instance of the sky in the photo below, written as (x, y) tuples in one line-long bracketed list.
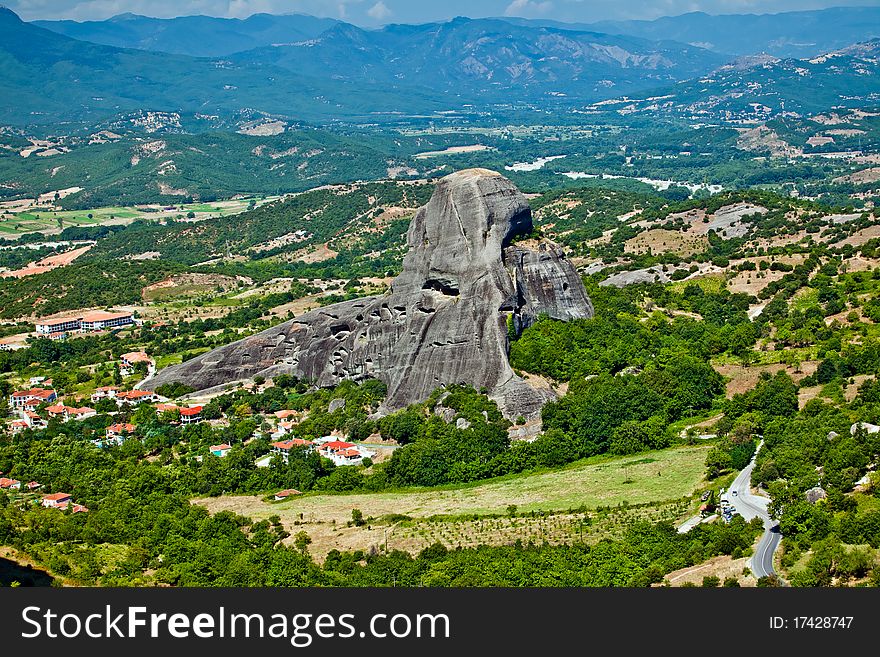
[(380, 12)]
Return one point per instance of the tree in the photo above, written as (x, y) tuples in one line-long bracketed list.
[(302, 541)]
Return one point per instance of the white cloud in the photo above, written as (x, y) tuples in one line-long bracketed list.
[(379, 11), (528, 8)]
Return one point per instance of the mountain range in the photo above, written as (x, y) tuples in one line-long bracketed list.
[(787, 34), (345, 72), (799, 34), (198, 36), (324, 71)]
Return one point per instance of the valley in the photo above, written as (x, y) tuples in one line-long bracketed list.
[(280, 306)]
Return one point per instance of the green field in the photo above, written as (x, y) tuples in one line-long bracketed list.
[(599, 481), (50, 221), (711, 284), (549, 506)]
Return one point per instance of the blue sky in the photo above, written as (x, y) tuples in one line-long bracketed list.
[(378, 12)]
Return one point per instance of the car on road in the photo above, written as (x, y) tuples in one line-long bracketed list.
[(733, 492)]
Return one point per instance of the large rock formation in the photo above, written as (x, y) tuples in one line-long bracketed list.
[(445, 319)]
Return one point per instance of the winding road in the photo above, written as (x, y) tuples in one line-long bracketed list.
[(753, 506)]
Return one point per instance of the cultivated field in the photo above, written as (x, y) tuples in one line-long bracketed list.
[(50, 220)]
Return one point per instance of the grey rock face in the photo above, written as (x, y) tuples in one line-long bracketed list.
[(445, 319)]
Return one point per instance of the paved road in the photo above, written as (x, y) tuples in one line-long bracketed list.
[(753, 506)]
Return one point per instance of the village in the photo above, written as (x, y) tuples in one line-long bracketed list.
[(38, 404)]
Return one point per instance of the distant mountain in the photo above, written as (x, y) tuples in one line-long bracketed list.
[(788, 34), (762, 88), (346, 72), (489, 59), (199, 36), (48, 78)]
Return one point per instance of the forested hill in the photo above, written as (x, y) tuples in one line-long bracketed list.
[(295, 223)]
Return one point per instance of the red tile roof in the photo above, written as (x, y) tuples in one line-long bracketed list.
[(57, 497), (136, 357), (337, 445), (102, 316), (82, 410), (121, 428), (38, 393), (190, 412), (134, 394), (290, 444), (287, 493)]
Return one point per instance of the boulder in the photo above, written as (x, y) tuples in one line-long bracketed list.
[(868, 428), (466, 280), (815, 494)]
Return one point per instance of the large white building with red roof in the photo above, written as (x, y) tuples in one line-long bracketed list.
[(343, 453), (24, 398), (96, 320)]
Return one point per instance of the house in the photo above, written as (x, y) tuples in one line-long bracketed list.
[(220, 450), (74, 508), (104, 392), (283, 428), (65, 413), (34, 397), (191, 415), (9, 484), (343, 453), (54, 500), (284, 494), (33, 485), (115, 435), (57, 411), (80, 413), (118, 430), (17, 426), (135, 397), (284, 447), (286, 414), (100, 320), (164, 408), (133, 357), (31, 418)]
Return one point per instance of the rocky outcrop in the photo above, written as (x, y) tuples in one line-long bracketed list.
[(445, 319)]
